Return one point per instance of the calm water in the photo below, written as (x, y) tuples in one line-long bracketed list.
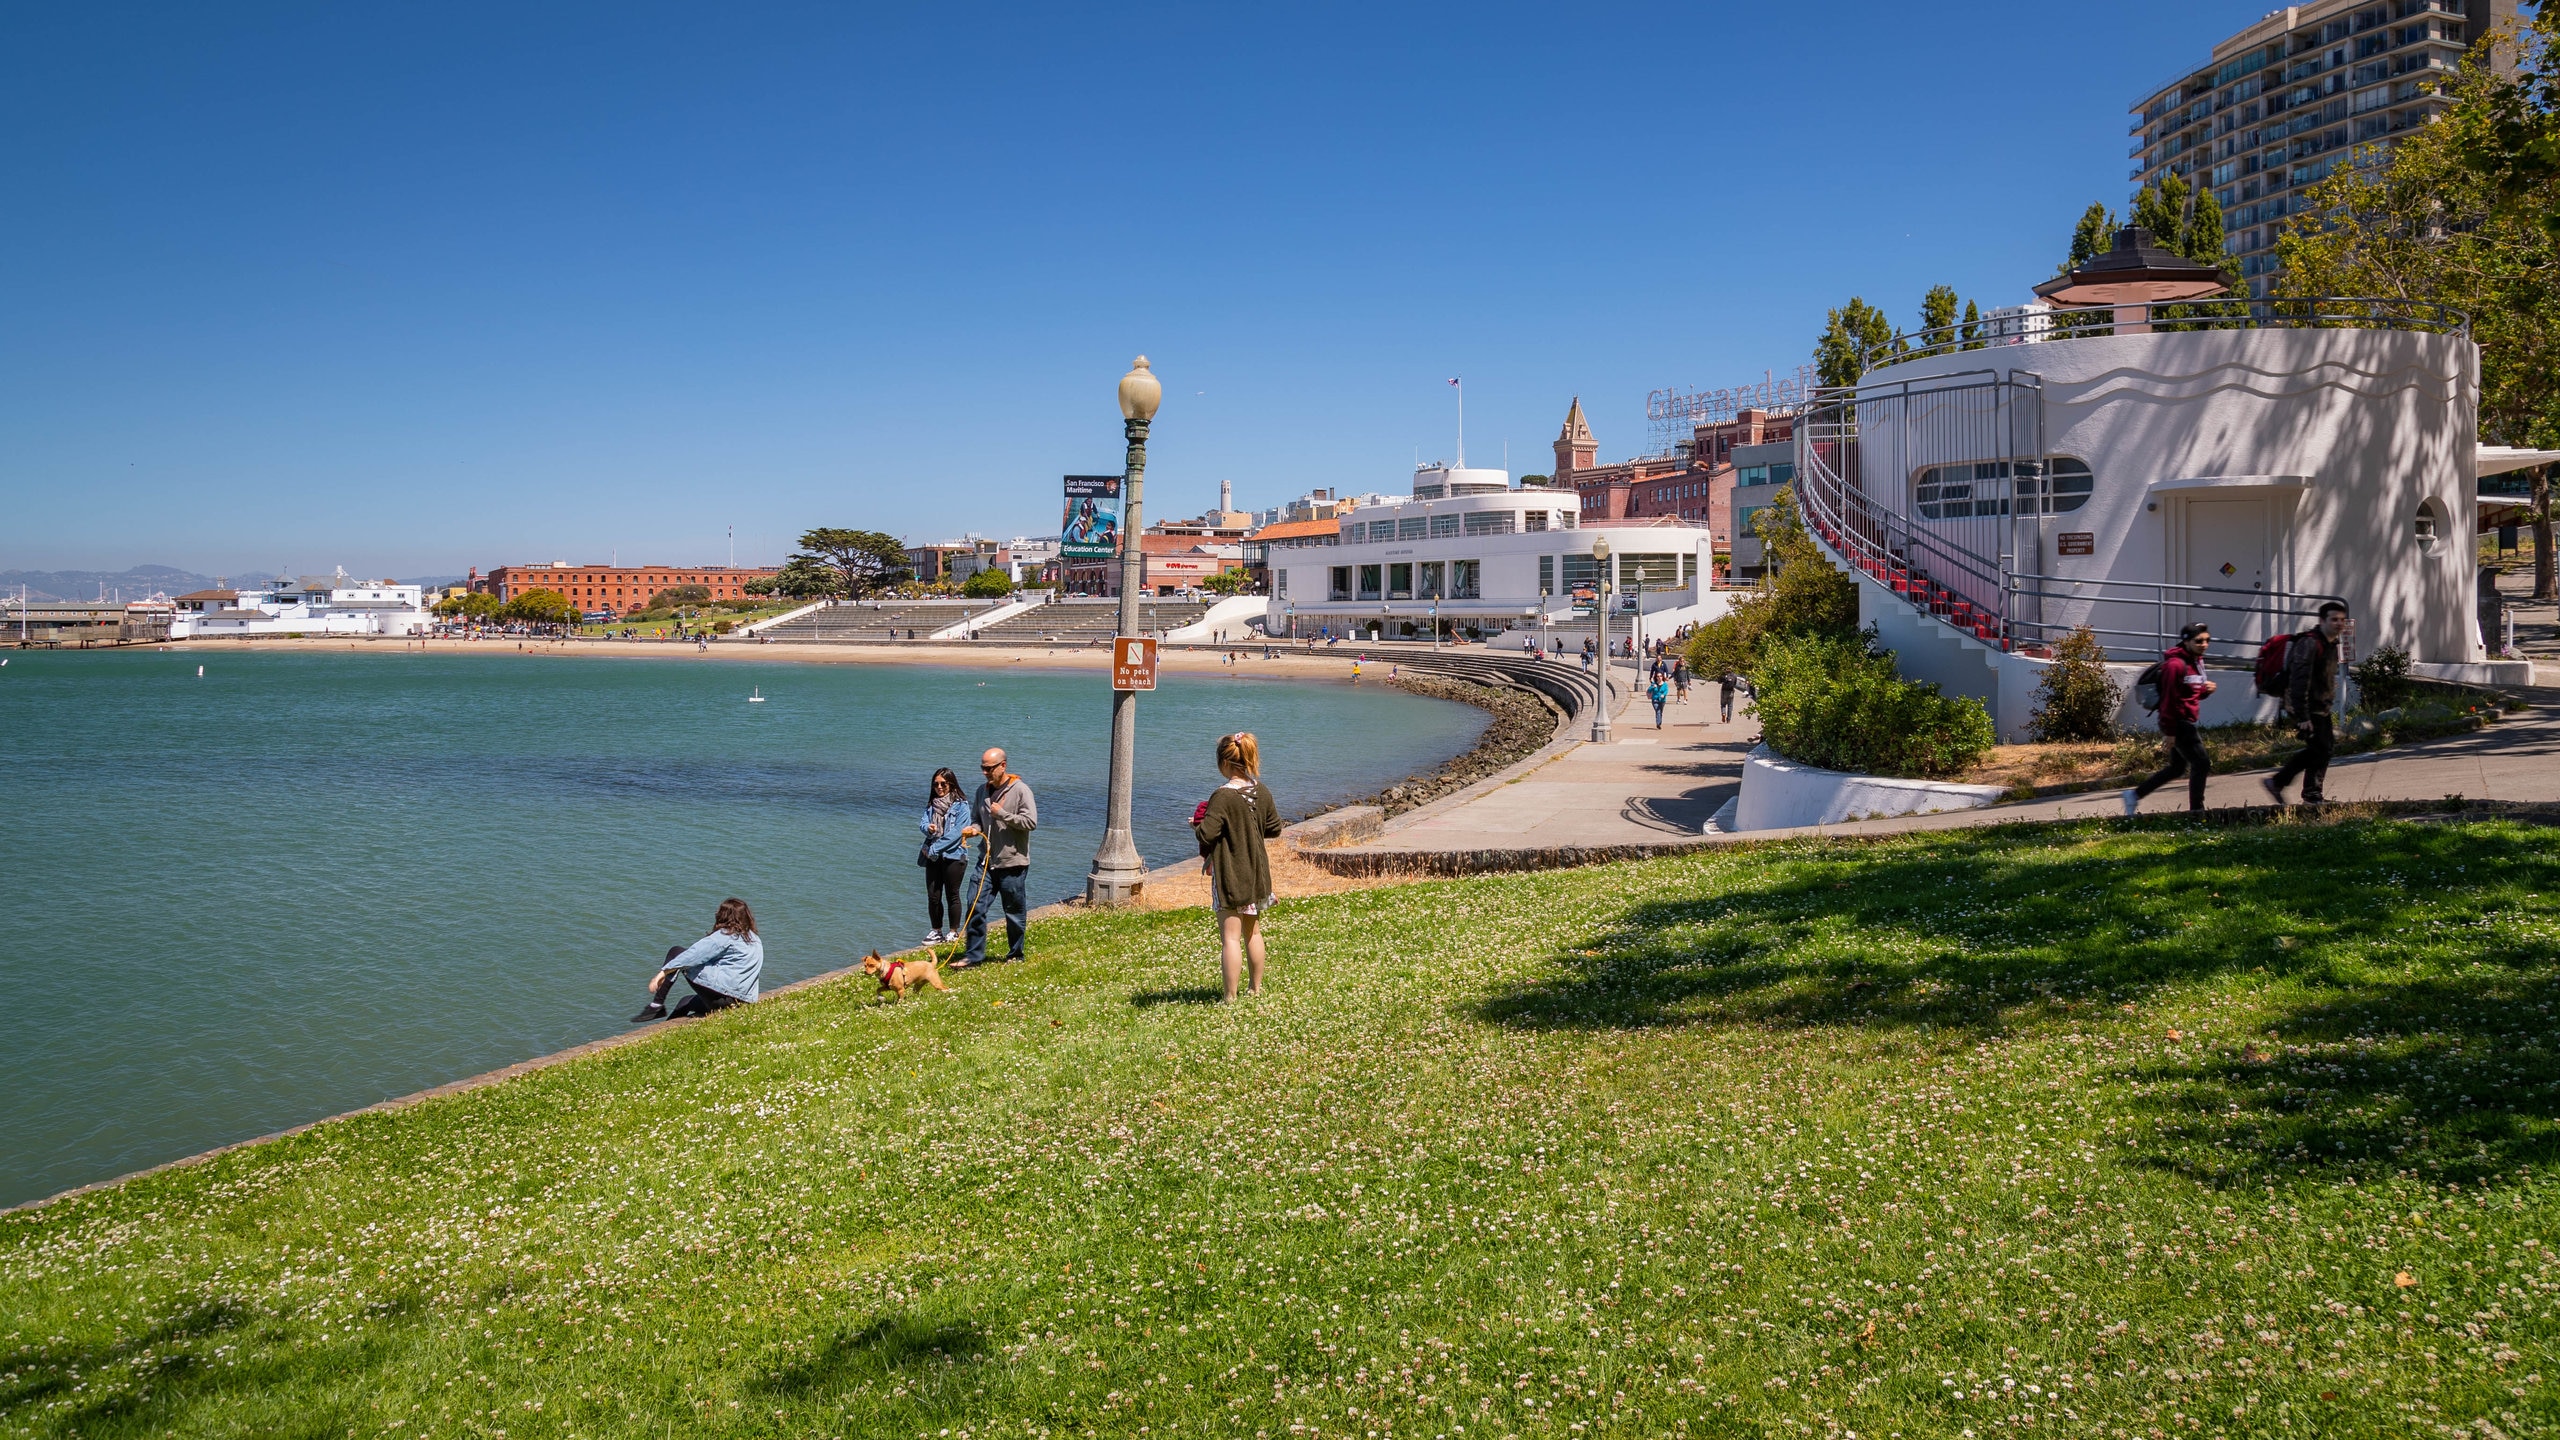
[(305, 883)]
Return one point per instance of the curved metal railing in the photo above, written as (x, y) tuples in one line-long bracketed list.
[(2082, 321)]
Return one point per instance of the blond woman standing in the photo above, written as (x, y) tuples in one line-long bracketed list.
[(1239, 817)]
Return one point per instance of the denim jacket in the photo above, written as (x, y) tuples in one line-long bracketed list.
[(947, 844), (730, 964)]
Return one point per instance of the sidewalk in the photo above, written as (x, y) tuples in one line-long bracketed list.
[(1652, 792)]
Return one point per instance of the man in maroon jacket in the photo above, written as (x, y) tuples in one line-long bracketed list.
[(2182, 691)]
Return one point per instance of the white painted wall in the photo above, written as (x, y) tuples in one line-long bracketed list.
[(1778, 794)]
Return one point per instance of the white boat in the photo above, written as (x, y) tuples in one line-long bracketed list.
[(756, 698)]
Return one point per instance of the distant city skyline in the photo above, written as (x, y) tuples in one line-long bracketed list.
[(413, 291)]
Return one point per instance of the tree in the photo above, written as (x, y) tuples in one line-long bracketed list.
[(541, 607), (478, 605), (801, 578), (1855, 331), (863, 560), (2464, 213), (1938, 312), (2094, 236), (1535, 480), (2184, 220), (1227, 582), (1799, 594), (1972, 326), (675, 595), (987, 584)]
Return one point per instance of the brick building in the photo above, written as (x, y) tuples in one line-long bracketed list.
[(1694, 486), (618, 588)]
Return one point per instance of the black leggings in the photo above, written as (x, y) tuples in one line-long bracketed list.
[(942, 879), (2186, 756)]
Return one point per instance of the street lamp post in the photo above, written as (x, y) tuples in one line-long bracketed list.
[(1118, 870), (1600, 715), (1435, 627)]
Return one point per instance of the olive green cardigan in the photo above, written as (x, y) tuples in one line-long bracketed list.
[(1231, 836)]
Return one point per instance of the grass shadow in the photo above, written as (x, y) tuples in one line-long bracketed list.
[(887, 1346), (2411, 1015), (1178, 995)]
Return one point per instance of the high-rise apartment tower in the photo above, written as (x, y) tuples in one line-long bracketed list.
[(2292, 97)]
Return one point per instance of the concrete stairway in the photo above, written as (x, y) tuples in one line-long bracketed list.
[(1086, 622), (875, 624)]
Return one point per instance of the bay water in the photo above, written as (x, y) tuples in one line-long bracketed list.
[(308, 881)]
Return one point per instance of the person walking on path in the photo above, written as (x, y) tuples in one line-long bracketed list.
[(1002, 815), (2183, 689), (1234, 826), (1680, 679), (1725, 685), (2310, 694), (1660, 694), (723, 967), (944, 856)]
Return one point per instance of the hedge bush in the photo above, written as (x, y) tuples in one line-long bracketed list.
[(2077, 699), (1838, 703)]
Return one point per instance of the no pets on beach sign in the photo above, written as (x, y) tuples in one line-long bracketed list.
[(1133, 663)]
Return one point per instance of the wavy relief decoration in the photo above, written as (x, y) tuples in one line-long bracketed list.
[(2141, 384)]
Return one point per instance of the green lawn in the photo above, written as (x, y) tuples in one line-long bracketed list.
[(2110, 1131)]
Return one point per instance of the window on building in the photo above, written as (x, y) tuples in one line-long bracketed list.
[(1546, 575), (1444, 525), (1751, 475), (1466, 579), (1654, 572), (1399, 581), (1435, 582), (1338, 583), (1410, 527), (1581, 572), (1489, 522), (1568, 519), (1954, 492), (1782, 472), (1280, 583), (1533, 519), (2425, 526)]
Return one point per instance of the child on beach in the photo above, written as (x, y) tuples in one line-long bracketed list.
[(1233, 826)]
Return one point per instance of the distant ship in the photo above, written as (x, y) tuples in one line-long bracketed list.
[(756, 698)]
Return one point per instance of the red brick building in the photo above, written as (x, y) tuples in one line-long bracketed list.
[(1695, 486), (618, 588)]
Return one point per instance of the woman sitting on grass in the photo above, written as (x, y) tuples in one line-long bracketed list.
[(722, 967), (1239, 817)]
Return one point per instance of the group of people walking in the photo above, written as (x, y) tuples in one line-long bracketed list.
[(2302, 670), (992, 824)]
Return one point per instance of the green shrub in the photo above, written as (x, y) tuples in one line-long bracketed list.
[(2382, 680), (987, 585), (1800, 594), (2076, 699), (1836, 703)]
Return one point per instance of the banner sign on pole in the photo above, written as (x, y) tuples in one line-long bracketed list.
[(1091, 527), (1133, 663)]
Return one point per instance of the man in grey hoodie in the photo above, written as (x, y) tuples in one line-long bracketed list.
[(1002, 815)]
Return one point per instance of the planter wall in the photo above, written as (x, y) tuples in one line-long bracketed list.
[(1779, 794)]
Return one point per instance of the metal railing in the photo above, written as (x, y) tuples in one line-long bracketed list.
[(1963, 564), (2252, 616), (2083, 321)]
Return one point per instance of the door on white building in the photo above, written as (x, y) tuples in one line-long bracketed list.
[(2228, 547)]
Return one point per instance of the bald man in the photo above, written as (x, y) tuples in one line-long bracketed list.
[(1002, 816)]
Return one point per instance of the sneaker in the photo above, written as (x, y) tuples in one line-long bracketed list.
[(933, 937), (2275, 792), (2310, 799), (654, 1010), (2132, 803)]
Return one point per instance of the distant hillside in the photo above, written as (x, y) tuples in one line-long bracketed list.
[(138, 583)]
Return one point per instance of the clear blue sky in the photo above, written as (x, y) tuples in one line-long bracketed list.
[(412, 288)]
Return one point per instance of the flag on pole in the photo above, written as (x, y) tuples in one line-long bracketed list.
[(1453, 379)]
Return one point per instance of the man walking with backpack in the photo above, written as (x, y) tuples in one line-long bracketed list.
[(2182, 689), (2310, 694)]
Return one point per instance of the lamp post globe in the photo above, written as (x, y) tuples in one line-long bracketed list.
[(1600, 713), (1118, 869)]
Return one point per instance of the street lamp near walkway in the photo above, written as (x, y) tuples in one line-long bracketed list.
[(1118, 870), (1600, 715)]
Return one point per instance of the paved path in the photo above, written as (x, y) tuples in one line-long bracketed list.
[(1654, 790)]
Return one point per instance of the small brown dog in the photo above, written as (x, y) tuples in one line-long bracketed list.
[(903, 975)]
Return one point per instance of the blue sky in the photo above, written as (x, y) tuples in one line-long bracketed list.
[(412, 288)]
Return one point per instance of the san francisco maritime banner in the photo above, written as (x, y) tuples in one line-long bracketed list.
[(1091, 528)]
